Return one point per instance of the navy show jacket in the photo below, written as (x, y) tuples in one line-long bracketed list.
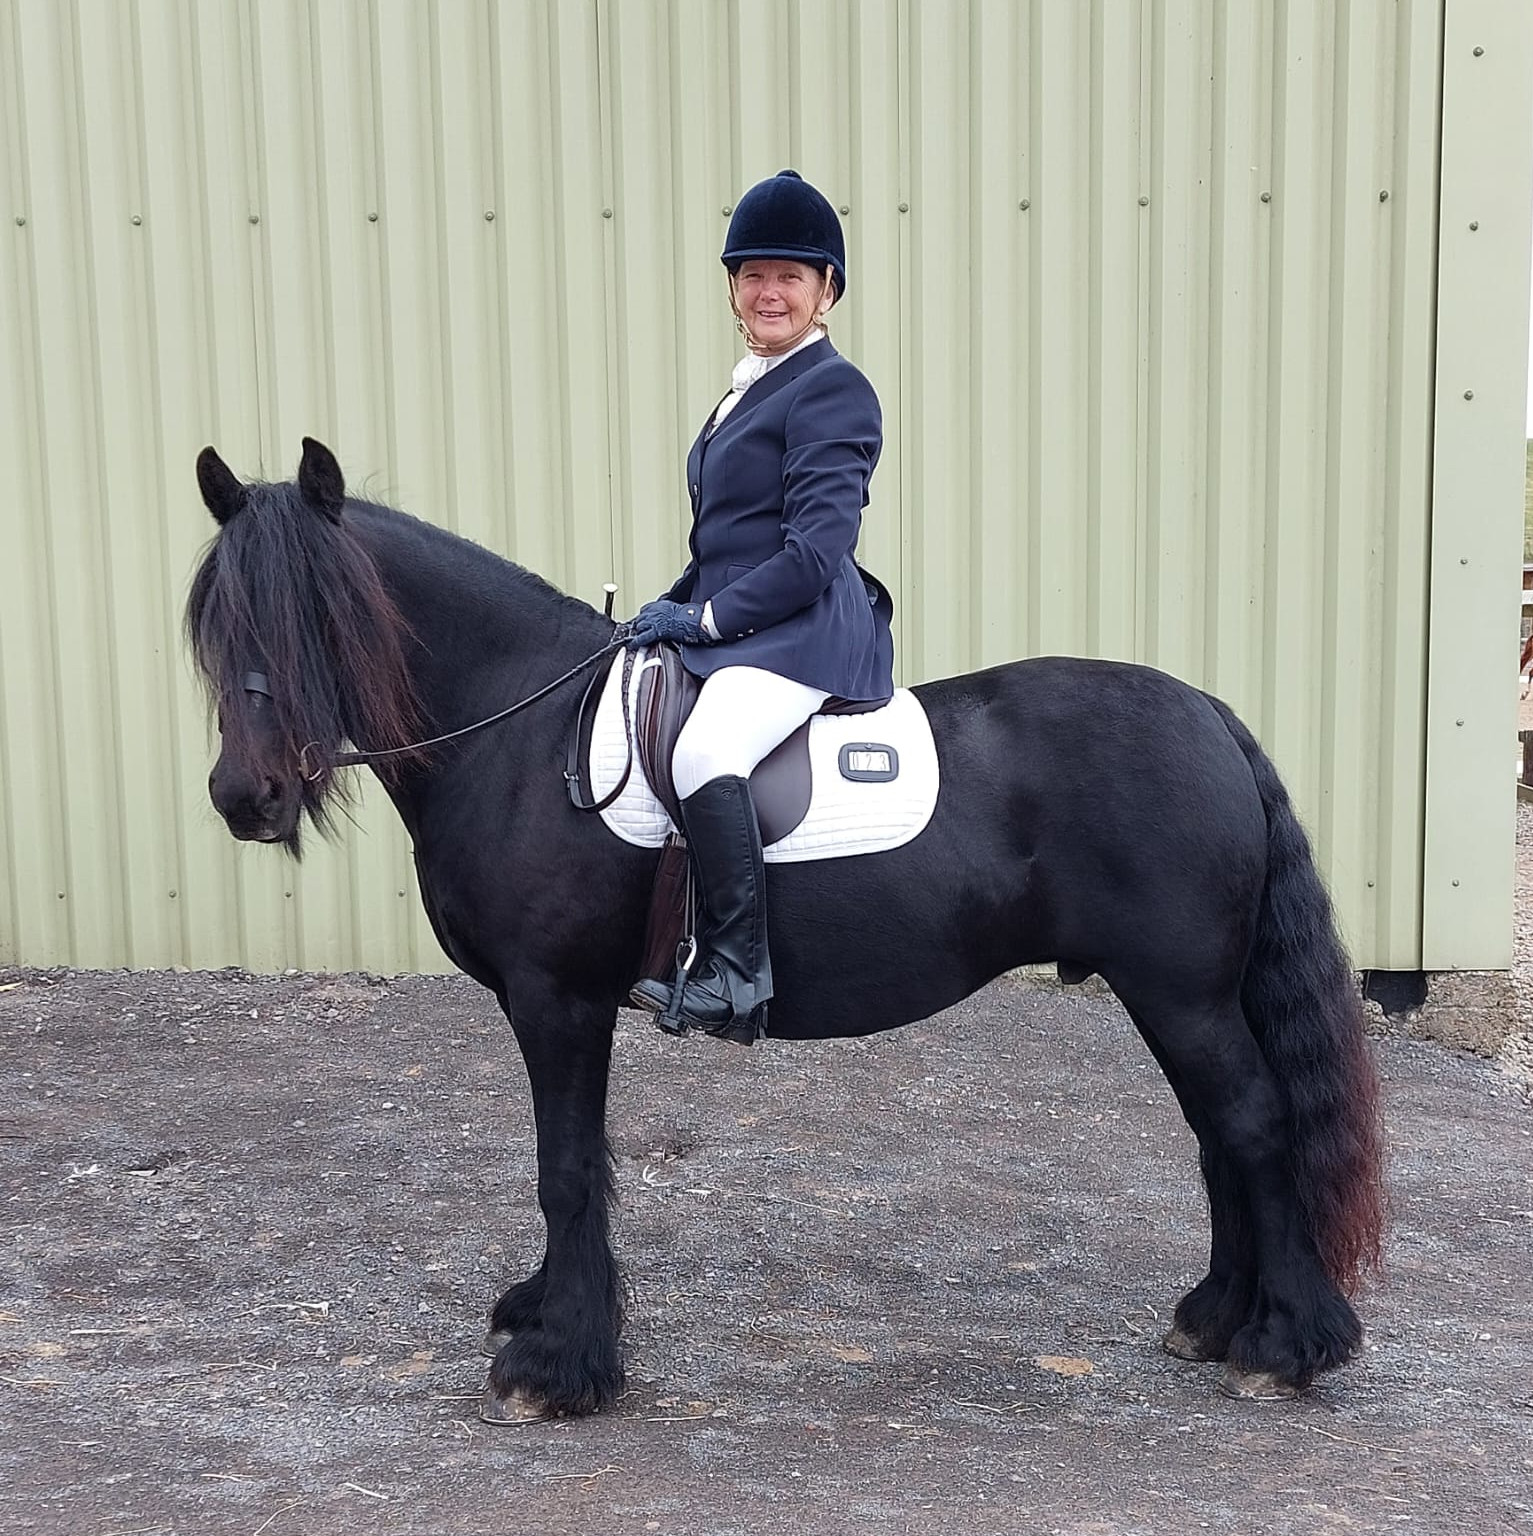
[(777, 495)]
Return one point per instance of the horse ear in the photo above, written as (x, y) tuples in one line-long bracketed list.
[(222, 493), (320, 481)]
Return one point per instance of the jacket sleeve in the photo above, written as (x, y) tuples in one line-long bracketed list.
[(834, 433)]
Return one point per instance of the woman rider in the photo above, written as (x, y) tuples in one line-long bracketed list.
[(772, 612)]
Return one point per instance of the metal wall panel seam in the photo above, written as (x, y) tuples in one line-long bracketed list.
[(907, 616), (940, 512), (266, 934), (296, 346), (877, 341), (1059, 298), (1146, 133), (164, 47), (134, 604), (1176, 423), (1347, 580), (375, 860), (1399, 825), (996, 450), (78, 568), (223, 390), (1111, 488), (32, 803), (1237, 284), (1288, 700), (1487, 175), (611, 214)]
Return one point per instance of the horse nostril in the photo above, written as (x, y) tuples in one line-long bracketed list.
[(273, 791)]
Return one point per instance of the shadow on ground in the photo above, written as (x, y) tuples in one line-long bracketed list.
[(252, 1228)]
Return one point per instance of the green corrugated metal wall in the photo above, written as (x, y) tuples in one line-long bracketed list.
[(1172, 323)]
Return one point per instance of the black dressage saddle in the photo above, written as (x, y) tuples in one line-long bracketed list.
[(780, 786)]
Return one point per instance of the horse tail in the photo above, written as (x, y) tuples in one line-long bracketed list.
[(1302, 1003)]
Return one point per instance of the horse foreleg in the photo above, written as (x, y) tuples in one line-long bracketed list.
[(519, 1308), (560, 1354)]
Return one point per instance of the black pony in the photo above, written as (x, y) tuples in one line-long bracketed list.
[(317, 620)]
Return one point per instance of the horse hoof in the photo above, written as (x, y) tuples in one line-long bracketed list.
[(1184, 1346), (495, 1341), (1257, 1386), (514, 1408)]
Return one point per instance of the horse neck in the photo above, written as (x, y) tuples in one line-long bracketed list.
[(487, 630)]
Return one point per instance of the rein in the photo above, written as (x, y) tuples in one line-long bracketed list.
[(257, 683)]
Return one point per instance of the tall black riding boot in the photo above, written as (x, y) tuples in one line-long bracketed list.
[(727, 994)]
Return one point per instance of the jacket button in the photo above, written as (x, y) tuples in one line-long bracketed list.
[(694, 489)]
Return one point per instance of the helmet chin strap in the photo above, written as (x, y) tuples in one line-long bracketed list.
[(776, 349)]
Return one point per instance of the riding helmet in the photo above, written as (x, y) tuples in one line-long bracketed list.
[(784, 217)]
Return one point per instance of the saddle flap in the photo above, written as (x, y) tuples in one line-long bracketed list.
[(667, 692), (780, 786)]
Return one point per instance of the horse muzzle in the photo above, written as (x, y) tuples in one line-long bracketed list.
[(261, 810)]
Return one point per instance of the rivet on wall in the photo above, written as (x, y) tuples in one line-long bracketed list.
[(1266, 197), (1025, 204)]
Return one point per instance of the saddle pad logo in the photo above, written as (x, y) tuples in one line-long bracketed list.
[(874, 777)]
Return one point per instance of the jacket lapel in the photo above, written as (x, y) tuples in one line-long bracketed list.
[(764, 388)]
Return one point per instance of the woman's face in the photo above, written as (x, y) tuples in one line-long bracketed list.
[(778, 299)]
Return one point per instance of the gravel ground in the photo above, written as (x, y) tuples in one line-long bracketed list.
[(911, 1284), (1516, 1056)]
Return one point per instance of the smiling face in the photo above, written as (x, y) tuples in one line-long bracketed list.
[(779, 300)]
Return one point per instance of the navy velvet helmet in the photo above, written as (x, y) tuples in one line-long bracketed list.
[(784, 217)]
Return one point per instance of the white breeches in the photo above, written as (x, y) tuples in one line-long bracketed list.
[(741, 714)]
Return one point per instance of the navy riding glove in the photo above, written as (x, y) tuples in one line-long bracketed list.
[(665, 620)]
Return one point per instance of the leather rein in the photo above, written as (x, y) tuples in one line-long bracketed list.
[(259, 684)]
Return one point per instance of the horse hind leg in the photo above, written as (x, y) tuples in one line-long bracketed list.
[(1299, 1323), (1208, 1317), (1211, 1313)]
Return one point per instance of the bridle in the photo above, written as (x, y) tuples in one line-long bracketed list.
[(259, 684)]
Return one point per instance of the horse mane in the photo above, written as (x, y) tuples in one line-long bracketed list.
[(290, 591)]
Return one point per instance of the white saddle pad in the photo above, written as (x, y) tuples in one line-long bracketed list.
[(845, 816)]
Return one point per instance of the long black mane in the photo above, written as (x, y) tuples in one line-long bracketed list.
[(293, 593)]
